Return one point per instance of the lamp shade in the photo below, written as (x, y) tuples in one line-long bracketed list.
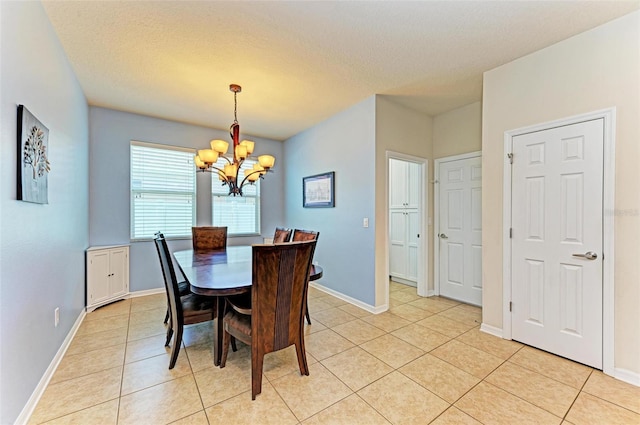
[(249, 145), (208, 156), (219, 146), (266, 161)]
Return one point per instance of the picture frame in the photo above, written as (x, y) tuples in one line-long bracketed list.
[(32, 158), (318, 191)]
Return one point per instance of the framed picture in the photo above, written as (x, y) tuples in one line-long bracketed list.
[(33, 163), (318, 191)]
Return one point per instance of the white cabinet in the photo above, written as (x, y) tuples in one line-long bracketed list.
[(404, 220), (107, 275)]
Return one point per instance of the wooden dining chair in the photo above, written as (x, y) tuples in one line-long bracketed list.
[(282, 235), (280, 279), (305, 235), (207, 237), (184, 310)]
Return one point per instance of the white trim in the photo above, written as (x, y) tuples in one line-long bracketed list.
[(436, 211), (343, 297), (627, 376), (423, 247), (491, 330), (28, 409), (608, 204), (146, 292)]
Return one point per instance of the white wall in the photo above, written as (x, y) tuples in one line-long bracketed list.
[(111, 133), (345, 144), (594, 70), (41, 246), (458, 131)]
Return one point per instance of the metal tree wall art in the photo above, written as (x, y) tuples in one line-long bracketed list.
[(33, 164)]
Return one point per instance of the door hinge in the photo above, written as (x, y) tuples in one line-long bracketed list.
[(510, 306), (510, 232), (510, 156)]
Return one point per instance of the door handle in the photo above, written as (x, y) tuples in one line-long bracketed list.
[(589, 255), (443, 236)]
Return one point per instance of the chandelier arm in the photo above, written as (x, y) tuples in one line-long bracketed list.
[(211, 169), (247, 176)]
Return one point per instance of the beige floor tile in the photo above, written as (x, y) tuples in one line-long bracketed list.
[(268, 408), (491, 405), (392, 350), (562, 370), (445, 380), (325, 344), (445, 325), (97, 341), (402, 401), (77, 394), (161, 404), (409, 312), (146, 329), (332, 317), (114, 309), (386, 321), (613, 390), (152, 371), (589, 410), (218, 384), (470, 359), (333, 301), (356, 367), (200, 356), (430, 304), (144, 316), (145, 348), (316, 304), (358, 331), (395, 302), (397, 286), (404, 295), (349, 411), (103, 414), (355, 310), (462, 313), (315, 292), (93, 326), (307, 395), (453, 416), (283, 362), (313, 327), (199, 418), (537, 389), (200, 333), (502, 348), (76, 365), (423, 338), (149, 302)]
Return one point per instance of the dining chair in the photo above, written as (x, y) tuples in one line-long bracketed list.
[(184, 310), (305, 235), (280, 279), (207, 237), (282, 235)]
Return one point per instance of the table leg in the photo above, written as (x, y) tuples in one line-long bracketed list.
[(218, 331)]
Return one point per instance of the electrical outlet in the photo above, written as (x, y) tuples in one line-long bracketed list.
[(56, 313), (365, 222)]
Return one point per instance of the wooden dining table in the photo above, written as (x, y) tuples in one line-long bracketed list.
[(221, 273)]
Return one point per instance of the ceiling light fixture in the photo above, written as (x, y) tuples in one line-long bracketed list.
[(229, 173)]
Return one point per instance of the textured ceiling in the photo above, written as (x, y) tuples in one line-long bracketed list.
[(301, 62)]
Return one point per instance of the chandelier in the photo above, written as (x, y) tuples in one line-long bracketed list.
[(230, 175)]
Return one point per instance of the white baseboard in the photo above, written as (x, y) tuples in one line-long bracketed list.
[(146, 292), (28, 409), (491, 330), (357, 303), (627, 376), (431, 293)]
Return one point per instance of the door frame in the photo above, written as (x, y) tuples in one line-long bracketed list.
[(608, 176), (423, 249), (436, 212)]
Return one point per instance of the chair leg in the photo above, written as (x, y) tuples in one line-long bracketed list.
[(302, 359), (166, 317), (225, 348), (169, 334), (175, 348), (306, 313), (257, 360), (233, 344)]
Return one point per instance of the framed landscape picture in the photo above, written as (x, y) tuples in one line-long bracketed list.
[(318, 191), (33, 163)]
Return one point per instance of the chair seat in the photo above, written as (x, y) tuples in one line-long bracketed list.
[(238, 321), (241, 303), (196, 308)]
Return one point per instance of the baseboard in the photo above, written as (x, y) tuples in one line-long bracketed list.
[(491, 330), (431, 293), (28, 409), (146, 292), (357, 303), (627, 376)]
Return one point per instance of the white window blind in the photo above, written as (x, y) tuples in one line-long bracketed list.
[(241, 214), (163, 190)]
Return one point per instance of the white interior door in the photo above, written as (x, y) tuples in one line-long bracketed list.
[(557, 183), (460, 229)]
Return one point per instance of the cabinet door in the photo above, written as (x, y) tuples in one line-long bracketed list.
[(98, 277), (413, 185), (398, 243), (397, 183), (119, 279), (413, 238)]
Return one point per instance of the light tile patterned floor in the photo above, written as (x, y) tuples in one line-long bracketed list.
[(423, 361)]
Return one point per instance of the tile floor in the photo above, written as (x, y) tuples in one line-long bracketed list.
[(423, 361)]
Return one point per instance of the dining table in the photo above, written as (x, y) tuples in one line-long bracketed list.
[(220, 273)]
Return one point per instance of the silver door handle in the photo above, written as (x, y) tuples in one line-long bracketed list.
[(589, 255), (443, 236)]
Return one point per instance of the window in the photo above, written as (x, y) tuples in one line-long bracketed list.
[(241, 214), (163, 190)]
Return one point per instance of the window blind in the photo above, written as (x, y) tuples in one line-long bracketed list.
[(241, 214), (163, 190)]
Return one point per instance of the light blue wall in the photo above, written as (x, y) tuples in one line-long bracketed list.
[(345, 143), (111, 133), (41, 246)]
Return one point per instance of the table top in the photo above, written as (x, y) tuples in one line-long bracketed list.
[(222, 272)]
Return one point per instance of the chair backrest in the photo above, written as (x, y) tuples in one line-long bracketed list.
[(206, 237), (282, 235), (169, 274), (304, 235), (279, 293)]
